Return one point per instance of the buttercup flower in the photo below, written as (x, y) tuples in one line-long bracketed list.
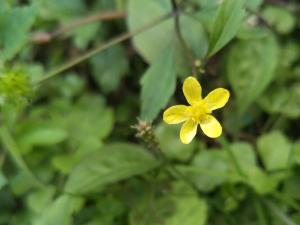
[(199, 111)]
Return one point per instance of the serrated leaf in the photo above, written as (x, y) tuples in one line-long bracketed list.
[(158, 84), (251, 67), (113, 163), (229, 19), (274, 149)]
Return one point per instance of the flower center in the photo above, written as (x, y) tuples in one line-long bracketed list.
[(199, 111)]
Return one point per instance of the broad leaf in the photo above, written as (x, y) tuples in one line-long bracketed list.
[(280, 18), (151, 42), (179, 205), (109, 67), (209, 170), (168, 137), (282, 100), (275, 150), (189, 208), (113, 163), (250, 68), (39, 134), (158, 84)]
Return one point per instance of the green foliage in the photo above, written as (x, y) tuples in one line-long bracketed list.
[(229, 18), (113, 163), (3, 180), (282, 19), (151, 43), (250, 68), (155, 95), (109, 67), (275, 151), (68, 155), (60, 211), (15, 24), (283, 101)]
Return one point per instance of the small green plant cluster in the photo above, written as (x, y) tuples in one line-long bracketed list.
[(86, 90)]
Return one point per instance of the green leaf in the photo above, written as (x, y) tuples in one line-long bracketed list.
[(109, 67), (244, 155), (141, 12), (260, 181), (158, 84), (282, 100), (65, 162), (39, 200), (251, 67), (228, 21), (62, 10), (292, 186), (252, 174), (254, 4), (33, 134), (280, 18), (60, 211), (14, 29), (189, 208), (296, 152), (208, 170), (178, 205), (113, 163), (151, 42), (170, 144), (96, 119), (274, 149), (85, 34), (3, 180)]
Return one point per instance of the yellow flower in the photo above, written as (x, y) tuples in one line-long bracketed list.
[(199, 111)]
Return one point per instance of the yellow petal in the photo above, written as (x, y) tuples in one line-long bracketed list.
[(188, 131), (192, 90), (217, 98), (211, 126), (176, 114)]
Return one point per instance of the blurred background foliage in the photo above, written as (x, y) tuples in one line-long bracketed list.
[(68, 154)]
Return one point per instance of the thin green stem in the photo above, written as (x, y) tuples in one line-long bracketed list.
[(180, 38), (13, 149), (103, 47)]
